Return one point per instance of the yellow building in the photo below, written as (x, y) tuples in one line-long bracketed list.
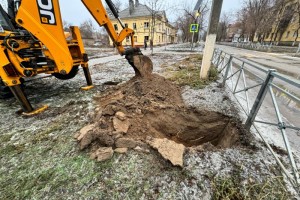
[(286, 25), (141, 19)]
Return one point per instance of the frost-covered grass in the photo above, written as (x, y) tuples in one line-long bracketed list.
[(187, 72), (41, 160)]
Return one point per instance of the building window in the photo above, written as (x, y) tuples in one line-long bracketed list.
[(146, 24), (147, 38), (116, 27), (126, 25), (127, 39), (134, 25), (287, 34), (159, 39), (135, 38)]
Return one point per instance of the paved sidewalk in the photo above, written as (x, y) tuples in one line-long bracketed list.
[(145, 52)]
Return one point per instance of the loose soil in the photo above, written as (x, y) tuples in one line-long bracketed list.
[(153, 107)]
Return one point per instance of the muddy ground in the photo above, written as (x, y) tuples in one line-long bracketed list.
[(41, 159)]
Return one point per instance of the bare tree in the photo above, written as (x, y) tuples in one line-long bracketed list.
[(66, 25), (157, 9), (280, 23), (297, 15), (223, 26), (252, 16), (187, 16), (257, 10), (87, 29), (117, 4)]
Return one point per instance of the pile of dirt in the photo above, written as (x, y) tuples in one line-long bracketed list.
[(142, 108)]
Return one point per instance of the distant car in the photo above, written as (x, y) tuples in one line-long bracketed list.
[(97, 44)]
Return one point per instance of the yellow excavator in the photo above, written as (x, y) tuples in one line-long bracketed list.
[(33, 42)]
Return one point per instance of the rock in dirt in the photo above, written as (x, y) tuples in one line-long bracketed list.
[(121, 125), (103, 153), (126, 143), (169, 150), (121, 150), (84, 131), (121, 116), (140, 149)]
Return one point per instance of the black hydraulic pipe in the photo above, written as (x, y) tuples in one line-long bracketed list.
[(113, 8)]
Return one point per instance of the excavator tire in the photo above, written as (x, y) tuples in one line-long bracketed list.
[(70, 75), (5, 92)]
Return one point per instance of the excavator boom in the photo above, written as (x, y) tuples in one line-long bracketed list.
[(33, 42), (141, 64)]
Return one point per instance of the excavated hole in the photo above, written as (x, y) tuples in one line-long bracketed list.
[(154, 107), (191, 127)]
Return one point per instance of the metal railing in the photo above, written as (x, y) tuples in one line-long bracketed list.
[(241, 77), (265, 46)]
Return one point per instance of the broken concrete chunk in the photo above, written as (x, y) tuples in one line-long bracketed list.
[(169, 150), (121, 150), (86, 140), (125, 143), (121, 126), (85, 130), (121, 116), (102, 154)]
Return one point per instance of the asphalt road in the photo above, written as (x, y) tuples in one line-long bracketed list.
[(290, 112), (282, 63)]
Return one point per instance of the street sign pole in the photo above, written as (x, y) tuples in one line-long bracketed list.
[(192, 41), (194, 28)]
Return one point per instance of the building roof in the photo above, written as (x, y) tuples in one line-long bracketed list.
[(139, 10)]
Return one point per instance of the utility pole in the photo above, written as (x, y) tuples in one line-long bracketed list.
[(211, 37), (197, 14)]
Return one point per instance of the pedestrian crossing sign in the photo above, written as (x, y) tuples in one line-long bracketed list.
[(194, 28)]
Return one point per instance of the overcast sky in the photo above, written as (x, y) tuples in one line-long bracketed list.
[(74, 11)]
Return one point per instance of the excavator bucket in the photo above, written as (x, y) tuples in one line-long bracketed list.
[(143, 66)]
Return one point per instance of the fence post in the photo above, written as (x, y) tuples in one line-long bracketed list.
[(298, 51), (227, 70), (219, 57), (259, 99)]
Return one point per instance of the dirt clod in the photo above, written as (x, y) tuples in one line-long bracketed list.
[(121, 125), (121, 150), (84, 131), (102, 154), (169, 150), (126, 143), (154, 107)]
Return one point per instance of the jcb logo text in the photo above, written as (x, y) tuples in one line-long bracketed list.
[(46, 12)]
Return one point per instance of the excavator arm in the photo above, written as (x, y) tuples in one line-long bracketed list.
[(33, 42), (141, 64)]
